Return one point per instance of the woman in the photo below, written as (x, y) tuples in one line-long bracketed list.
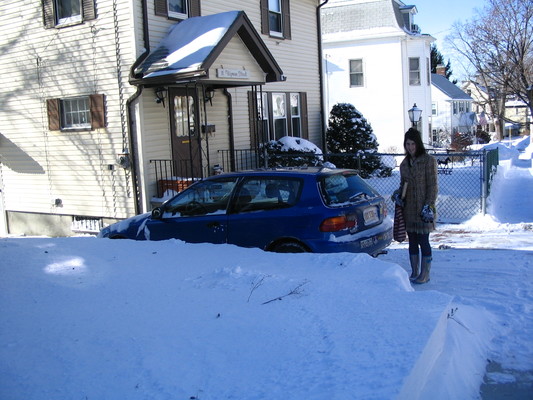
[(418, 172)]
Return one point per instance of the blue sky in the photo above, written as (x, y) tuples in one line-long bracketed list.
[(436, 17)]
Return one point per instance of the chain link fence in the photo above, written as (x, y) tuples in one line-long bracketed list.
[(464, 178), (461, 189)]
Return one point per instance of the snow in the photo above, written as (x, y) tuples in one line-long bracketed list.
[(189, 43), (87, 318)]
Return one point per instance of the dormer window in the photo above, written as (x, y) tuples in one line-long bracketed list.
[(408, 13)]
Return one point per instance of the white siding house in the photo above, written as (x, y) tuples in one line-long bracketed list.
[(93, 104), (451, 112), (376, 59)]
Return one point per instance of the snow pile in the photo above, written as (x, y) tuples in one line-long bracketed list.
[(91, 318), (86, 318)]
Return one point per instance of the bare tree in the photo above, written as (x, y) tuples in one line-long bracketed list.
[(497, 43)]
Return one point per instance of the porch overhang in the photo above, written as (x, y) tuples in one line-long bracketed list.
[(191, 47)]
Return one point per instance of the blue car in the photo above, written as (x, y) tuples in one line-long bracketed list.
[(319, 210)]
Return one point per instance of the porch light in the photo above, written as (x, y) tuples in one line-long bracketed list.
[(160, 95), (209, 94), (414, 114)]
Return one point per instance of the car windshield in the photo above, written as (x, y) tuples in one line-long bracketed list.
[(343, 188), (203, 198)]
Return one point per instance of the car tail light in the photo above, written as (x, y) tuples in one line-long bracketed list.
[(339, 223)]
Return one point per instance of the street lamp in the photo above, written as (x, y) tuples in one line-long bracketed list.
[(414, 114)]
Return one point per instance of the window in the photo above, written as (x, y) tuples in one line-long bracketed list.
[(454, 107), (295, 115), (275, 18), (434, 110), (278, 114), (68, 11), (207, 198), (58, 13), (356, 73), (177, 9), (76, 113), (461, 107), (264, 194), (414, 71)]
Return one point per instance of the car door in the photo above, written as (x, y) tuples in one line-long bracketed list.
[(196, 215), (263, 210)]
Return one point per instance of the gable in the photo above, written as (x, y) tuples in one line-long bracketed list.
[(192, 46)]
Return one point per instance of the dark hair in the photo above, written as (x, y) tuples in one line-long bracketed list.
[(414, 135)]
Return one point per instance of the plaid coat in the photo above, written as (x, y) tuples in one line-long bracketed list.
[(422, 188)]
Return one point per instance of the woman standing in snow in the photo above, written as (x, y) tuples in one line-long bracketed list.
[(418, 172)]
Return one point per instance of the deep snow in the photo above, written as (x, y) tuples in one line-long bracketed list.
[(86, 318)]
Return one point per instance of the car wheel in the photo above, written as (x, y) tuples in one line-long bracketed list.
[(290, 247)]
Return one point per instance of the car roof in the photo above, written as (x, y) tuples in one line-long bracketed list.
[(287, 171)]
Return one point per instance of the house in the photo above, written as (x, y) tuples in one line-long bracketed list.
[(516, 115), (376, 59), (107, 104), (451, 112)]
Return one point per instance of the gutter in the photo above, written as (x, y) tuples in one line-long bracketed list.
[(132, 130), (320, 75)]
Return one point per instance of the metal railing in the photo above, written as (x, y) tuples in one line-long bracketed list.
[(464, 178)]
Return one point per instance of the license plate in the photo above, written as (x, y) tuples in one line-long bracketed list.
[(370, 215), (367, 243)]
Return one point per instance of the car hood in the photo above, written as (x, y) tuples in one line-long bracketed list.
[(130, 227)]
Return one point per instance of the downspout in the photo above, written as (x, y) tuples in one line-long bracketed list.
[(132, 130), (320, 77), (231, 130)]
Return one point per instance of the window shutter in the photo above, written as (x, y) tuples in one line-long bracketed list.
[(286, 12), (265, 29), (160, 7), (254, 123), (52, 106), (88, 10), (48, 14), (194, 10), (97, 104), (303, 111)]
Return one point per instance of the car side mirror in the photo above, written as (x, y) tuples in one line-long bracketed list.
[(157, 213)]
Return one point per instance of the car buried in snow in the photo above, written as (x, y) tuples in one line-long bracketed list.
[(290, 210)]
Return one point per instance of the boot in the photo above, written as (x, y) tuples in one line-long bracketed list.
[(426, 267), (414, 259)]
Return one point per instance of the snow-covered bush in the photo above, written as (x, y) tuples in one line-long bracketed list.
[(291, 151)]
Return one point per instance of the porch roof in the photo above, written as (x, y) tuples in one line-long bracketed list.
[(191, 47)]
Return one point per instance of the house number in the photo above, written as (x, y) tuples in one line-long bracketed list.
[(232, 73)]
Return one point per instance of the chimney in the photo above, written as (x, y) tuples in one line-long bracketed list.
[(441, 70)]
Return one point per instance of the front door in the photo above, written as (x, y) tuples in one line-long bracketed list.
[(185, 133)]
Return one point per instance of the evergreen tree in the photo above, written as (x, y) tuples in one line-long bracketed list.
[(438, 59), (351, 141)]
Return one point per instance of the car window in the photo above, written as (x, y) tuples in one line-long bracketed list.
[(204, 198), (266, 193), (343, 188)]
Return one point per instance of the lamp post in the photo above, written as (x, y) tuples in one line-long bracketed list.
[(414, 114)]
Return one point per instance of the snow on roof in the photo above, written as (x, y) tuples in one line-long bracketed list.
[(448, 88), (187, 45)]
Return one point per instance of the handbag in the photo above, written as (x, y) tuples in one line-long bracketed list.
[(398, 230)]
